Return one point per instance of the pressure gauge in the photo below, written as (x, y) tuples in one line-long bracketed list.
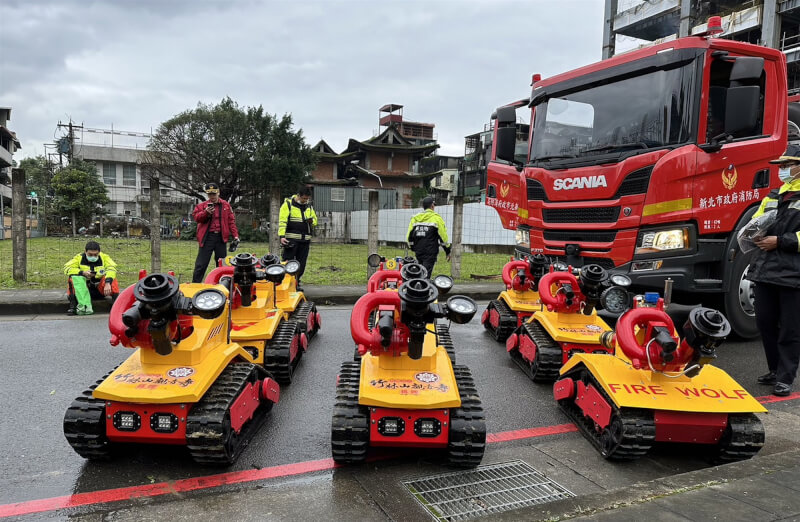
[(443, 283), (292, 267), (374, 260), (461, 309), (275, 273), (208, 303)]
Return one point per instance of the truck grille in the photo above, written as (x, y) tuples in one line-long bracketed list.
[(635, 183), (536, 191), (580, 215), (596, 236), (605, 262), (608, 264)]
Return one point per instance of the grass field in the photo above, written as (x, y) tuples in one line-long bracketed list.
[(327, 264)]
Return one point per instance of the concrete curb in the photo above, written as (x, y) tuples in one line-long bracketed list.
[(26, 302), (643, 492)]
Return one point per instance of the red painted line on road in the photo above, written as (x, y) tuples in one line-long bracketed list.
[(222, 479), (528, 433), (163, 488), (238, 477), (774, 398)]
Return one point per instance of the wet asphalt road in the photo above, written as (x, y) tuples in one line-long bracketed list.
[(46, 361)]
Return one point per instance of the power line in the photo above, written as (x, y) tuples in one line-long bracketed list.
[(70, 146)]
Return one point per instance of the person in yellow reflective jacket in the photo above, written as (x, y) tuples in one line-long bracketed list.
[(426, 233), (297, 220), (91, 275)]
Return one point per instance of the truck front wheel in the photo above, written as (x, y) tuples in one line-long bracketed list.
[(738, 300)]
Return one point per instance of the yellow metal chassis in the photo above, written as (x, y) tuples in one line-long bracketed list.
[(184, 375), (711, 391), (521, 302), (403, 383), (572, 327)]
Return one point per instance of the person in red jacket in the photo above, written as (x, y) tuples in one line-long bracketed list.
[(215, 224)]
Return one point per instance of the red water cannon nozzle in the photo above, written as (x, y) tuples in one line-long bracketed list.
[(154, 313), (567, 296)]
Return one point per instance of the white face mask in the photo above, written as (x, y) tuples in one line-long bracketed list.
[(785, 174)]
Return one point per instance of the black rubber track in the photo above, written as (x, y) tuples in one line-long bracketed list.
[(545, 367), (209, 435), (743, 438), (300, 316), (630, 433), (508, 320), (350, 422), (85, 425), (467, 441), (277, 354)]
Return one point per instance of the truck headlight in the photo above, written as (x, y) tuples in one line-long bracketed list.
[(523, 237), (663, 240)]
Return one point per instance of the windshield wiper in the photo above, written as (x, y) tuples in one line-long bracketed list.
[(618, 146), (555, 156)]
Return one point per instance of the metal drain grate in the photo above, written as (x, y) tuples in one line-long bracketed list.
[(484, 490)]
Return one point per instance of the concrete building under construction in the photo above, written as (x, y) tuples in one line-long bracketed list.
[(9, 143), (772, 23)]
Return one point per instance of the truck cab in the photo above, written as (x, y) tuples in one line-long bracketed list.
[(647, 164)]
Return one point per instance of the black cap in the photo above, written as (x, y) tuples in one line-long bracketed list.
[(211, 188), (792, 155)]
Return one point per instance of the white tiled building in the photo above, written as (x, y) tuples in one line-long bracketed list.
[(119, 167), (8, 145)]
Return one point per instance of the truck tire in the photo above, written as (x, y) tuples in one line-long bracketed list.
[(738, 300), (737, 303)]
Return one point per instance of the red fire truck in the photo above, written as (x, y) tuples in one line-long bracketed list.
[(648, 163)]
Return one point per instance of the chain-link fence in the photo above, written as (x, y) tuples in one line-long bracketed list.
[(328, 263), (338, 253)]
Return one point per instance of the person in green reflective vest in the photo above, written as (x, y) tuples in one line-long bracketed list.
[(297, 220)]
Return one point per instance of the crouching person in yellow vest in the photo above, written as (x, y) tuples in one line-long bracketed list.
[(297, 220), (92, 275)]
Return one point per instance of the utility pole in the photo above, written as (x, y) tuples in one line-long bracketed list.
[(71, 142), (274, 218), (373, 228), (18, 238), (155, 222), (458, 249), (70, 138)]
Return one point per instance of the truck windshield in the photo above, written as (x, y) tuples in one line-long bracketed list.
[(642, 112)]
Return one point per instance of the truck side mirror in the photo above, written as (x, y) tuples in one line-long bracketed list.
[(506, 133), (741, 110), (746, 69)]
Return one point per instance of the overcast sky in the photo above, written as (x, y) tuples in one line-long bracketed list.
[(331, 64)]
